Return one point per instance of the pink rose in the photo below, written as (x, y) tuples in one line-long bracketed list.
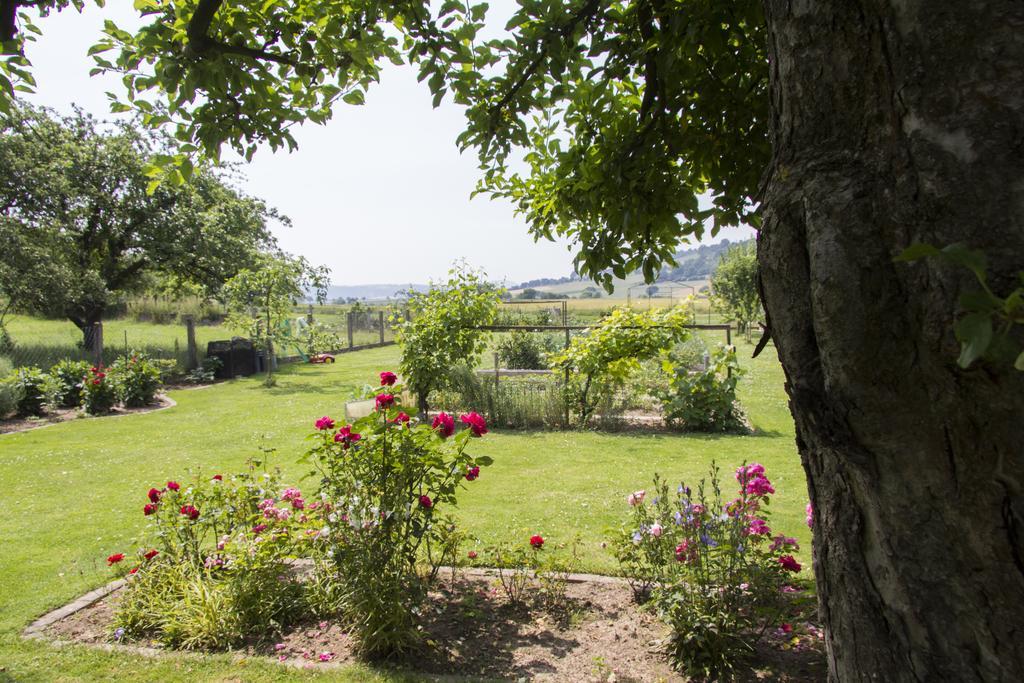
[(388, 379), (325, 423), (636, 498), (173, 485), (789, 563), (426, 502), (656, 530), (472, 473)]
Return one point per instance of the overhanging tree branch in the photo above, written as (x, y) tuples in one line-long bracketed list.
[(201, 44)]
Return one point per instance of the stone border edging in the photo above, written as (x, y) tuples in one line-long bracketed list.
[(36, 628), (165, 403)]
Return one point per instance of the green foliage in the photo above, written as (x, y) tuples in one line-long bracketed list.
[(261, 299), (206, 372), (29, 385), (734, 285), (440, 330), (82, 228), (11, 393), (601, 360), (704, 400), (522, 350), (220, 571), (319, 338), (136, 379), (99, 392), (987, 321), (65, 385), (386, 478), (715, 577), (516, 402)]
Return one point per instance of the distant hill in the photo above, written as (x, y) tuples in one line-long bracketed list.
[(693, 266), (372, 292)]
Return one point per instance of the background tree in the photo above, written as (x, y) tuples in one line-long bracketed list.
[(440, 330), (261, 299), (734, 286), (82, 227), (844, 131)]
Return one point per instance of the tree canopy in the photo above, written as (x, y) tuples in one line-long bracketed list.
[(84, 226), (624, 113), (734, 285)]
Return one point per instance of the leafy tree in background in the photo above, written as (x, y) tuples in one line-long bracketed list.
[(440, 330), (843, 131), (734, 286), (261, 299), (81, 230)]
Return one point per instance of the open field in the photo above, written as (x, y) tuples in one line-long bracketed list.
[(75, 490)]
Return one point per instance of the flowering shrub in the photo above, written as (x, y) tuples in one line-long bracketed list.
[(98, 392), (66, 378), (714, 568), (137, 379), (214, 567), (704, 401), (385, 480)]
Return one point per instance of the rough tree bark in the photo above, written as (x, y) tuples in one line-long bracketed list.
[(893, 122)]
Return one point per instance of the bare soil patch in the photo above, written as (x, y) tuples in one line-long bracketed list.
[(471, 630)]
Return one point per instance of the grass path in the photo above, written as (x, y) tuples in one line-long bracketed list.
[(73, 493)]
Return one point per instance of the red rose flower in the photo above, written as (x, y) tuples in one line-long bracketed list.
[(173, 485), (346, 436), (154, 496), (151, 554), (476, 423), (472, 473), (114, 559), (218, 477), (471, 555), (384, 401), (97, 381), (133, 570), (149, 509), (325, 423), (388, 379), (444, 424), (426, 502), (537, 541), (402, 417), (190, 511), (789, 563)]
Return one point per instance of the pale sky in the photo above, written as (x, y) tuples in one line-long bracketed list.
[(380, 194)]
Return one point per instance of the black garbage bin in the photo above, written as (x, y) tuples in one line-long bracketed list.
[(237, 357)]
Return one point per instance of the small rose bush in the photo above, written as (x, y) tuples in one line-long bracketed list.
[(66, 380), (715, 568), (99, 393), (214, 567), (385, 482), (137, 380)]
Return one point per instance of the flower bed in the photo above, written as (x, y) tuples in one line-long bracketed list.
[(599, 634)]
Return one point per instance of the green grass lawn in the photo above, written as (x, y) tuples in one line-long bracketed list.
[(73, 493)]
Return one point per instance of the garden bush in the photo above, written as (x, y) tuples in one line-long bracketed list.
[(387, 477), (66, 378), (136, 379), (10, 396), (31, 384), (522, 350), (519, 402), (214, 570), (206, 372), (704, 400), (714, 569), (98, 392)]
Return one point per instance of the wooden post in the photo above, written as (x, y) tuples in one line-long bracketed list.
[(309, 315), (565, 391), (348, 319), (496, 366), (380, 319), (97, 344), (193, 352)]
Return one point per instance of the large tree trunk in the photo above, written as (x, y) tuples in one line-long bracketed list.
[(895, 122)]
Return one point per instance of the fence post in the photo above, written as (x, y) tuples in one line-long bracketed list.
[(193, 352), (309, 315), (565, 392), (97, 344), (496, 366), (381, 319), (348, 318)]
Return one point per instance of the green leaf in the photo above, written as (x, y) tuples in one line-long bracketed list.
[(1019, 363), (975, 334), (355, 97), (917, 251)]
